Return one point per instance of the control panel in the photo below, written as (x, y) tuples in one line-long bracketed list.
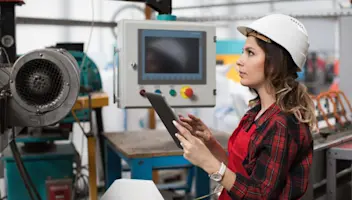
[(171, 58)]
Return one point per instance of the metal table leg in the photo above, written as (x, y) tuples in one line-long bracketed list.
[(202, 183), (93, 190), (113, 165), (141, 169), (331, 176)]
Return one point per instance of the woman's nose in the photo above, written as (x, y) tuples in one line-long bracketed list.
[(239, 62)]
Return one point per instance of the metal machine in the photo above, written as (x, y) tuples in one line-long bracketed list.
[(44, 86), (38, 91), (176, 59), (39, 142)]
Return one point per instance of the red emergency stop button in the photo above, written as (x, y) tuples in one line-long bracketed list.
[(187, 92)]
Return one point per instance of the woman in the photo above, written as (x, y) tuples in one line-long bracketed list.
[(270, 153)]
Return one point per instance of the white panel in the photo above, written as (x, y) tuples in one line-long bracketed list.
[(187, 12), (321, 37), (128, 77), (345, 56), (41, 8), (31, 37)]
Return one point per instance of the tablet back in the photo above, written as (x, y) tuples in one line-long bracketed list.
[(165, 113)]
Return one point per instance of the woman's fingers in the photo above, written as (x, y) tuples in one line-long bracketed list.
[(186, 125), (193, 117), (200, 127), (189, 121), (196, 119), (186, 120), (183, 141), (200, 134), (183, 131)]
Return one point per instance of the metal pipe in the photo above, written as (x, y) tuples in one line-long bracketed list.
[(338, 175), (63, 22), (333, 143), (238, 3), (330, 14)]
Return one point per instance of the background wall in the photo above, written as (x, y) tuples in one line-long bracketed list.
[(30, 37), (323, 34)]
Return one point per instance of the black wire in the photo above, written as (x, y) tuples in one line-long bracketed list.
[(18, 159), (21, 168), (81, 186)]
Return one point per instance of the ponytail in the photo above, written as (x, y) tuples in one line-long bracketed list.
[(295, 99)]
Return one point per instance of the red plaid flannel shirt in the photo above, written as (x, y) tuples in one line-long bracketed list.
[(279, 157)]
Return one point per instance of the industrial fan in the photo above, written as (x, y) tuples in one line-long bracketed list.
[(37, 92), (44, 85)]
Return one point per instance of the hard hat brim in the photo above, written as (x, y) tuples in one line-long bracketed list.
[(244, 31)]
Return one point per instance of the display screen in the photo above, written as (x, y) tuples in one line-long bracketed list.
[(171, 57)]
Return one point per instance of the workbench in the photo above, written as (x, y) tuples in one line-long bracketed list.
[(148, 150)]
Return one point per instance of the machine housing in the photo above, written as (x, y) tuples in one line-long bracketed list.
[(175, 59)]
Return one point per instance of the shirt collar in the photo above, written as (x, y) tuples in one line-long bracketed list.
[(252, 113)]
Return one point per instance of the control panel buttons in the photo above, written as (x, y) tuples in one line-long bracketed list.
[(172, 92), (187, 92), (158, 91), (142, 92)]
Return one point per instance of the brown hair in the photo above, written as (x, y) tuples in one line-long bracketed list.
[(281, 71)]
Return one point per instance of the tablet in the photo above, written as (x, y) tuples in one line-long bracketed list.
[(165, 113)]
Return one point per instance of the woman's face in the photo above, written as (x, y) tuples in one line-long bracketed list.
[(251, 64)]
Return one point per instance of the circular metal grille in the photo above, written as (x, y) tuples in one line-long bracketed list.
[(39, 82)]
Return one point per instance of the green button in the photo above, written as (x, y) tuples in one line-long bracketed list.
[(173, 93)]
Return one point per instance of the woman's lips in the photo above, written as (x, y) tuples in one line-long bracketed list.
[(242, 74)]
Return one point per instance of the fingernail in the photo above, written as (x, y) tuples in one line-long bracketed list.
[(176, 134), (175, 123)]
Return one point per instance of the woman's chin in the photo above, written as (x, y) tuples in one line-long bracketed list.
[(244, 83)]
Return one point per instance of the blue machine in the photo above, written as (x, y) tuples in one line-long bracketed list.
[(90, 78), (43, 159), (53, 165)]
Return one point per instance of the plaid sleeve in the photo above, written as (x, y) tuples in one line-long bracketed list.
[(271, 169)]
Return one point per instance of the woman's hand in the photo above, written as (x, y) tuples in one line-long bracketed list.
[(196, 151), (197, 128)]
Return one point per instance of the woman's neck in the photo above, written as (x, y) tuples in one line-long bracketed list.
[(266, 98)]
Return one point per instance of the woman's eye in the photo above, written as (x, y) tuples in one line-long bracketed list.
[(250, 53)]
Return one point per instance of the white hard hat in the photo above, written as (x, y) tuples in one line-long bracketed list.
[(285, 31)]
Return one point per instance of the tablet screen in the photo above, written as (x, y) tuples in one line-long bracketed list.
[(165, 113)]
